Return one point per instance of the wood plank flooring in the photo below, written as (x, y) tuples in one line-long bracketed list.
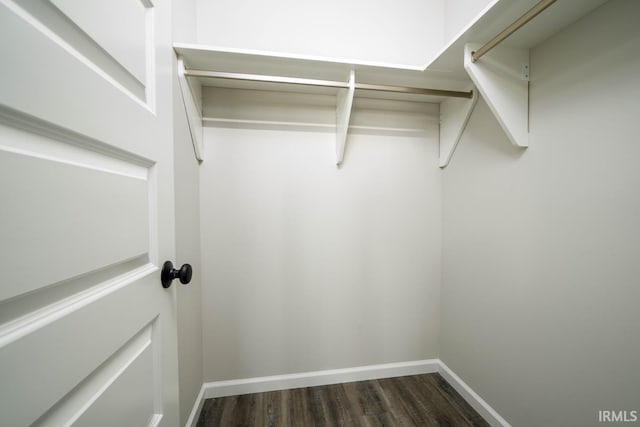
[(417, 400)]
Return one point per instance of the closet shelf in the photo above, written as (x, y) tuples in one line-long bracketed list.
[(501, 76), (497, 16), (202, 60), (205, 66)]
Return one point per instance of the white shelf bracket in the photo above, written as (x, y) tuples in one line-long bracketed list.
[(502, 77), (344, 103), (454, 116), (192, 110)]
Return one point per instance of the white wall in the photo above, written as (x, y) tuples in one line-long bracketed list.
[(184, 19), (307, 266), (540, 311), (390, 31), (459, 13)]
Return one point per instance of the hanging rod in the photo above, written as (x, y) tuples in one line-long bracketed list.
[(517, 24), (326, 83)]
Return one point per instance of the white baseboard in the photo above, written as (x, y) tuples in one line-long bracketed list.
[(335, 376), (472, 398), (316, 378)]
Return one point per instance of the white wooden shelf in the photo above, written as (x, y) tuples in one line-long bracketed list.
[(211, 59), (501, 76), (499, 15)]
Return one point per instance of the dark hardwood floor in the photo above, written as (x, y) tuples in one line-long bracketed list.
[(418, 400)]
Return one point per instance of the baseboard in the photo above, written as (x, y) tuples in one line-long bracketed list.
[(316, 378), (335, 376), (197, 408), (472, 398)]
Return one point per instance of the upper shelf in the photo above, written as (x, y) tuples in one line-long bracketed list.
[(209, 58), (501, 76), (500, 15), (444, 71)]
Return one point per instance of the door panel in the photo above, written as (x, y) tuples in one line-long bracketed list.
[(127, 45), (58, 28), (72, 343), (66, 221), (87, 333), (58, 74), (138, 375)]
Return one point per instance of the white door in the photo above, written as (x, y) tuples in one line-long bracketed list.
[(87, 333)]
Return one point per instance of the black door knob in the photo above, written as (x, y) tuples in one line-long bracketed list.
[(169, 273)]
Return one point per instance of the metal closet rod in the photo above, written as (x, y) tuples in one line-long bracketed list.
[(517, 24), (326, 83)]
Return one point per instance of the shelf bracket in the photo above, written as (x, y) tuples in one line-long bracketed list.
[(192, 109), (344, 104), (454, 116), (502, 77)]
